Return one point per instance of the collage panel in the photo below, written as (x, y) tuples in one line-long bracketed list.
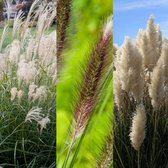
[(84, 84), (140, 84), (27, 83)]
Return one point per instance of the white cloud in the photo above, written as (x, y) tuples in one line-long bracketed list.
[(140, 4)]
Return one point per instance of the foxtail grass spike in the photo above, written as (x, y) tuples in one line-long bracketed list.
[(99, 61), (62, 17)]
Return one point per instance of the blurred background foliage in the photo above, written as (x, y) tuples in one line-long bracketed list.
[(87, 19)]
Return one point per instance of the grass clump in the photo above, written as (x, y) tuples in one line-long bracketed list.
[(27, 88)]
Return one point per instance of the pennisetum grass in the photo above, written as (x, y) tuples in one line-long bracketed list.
[(106, 159), (27, 88), (89, 91), (140, 82), (63, 17), (83, 89)]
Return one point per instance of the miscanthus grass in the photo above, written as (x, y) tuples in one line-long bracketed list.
[(27, 88), (140, 94)]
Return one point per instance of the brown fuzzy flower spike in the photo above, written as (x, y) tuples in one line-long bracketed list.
[(62, 17), (99, 62)]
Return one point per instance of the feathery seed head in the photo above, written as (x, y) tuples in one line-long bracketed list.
[(137, 134), (27, 71), (34, 114), (43, 123), (41, 93), (156, 88), (118, 92), (98, 64), (14, 52), (129, 67), (32, 88)]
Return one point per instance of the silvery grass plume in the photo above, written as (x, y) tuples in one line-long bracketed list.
[(156, 88), (15, 93), (62, 17), (137, 133), (98, 65), (37, 115), (129, 70), (149, 43), (158, 85)]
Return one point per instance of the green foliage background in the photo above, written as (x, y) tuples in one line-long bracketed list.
[(87, 19)]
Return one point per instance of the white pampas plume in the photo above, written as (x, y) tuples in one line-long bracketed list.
[(13, 92), (163, 60), (138, 128), (156, 88), (118, 92), (130, 69), (149, 43)]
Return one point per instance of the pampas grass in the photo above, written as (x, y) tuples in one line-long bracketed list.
[(140, 82), (137, 134)]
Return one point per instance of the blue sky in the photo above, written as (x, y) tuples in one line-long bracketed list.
[(131, 15)]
